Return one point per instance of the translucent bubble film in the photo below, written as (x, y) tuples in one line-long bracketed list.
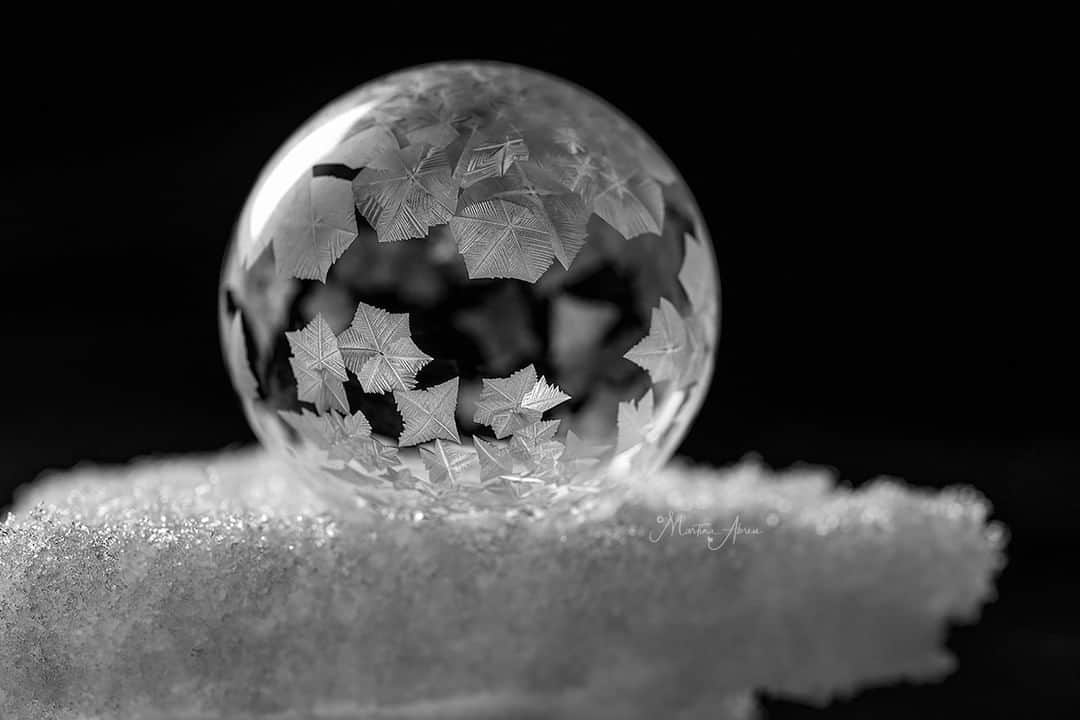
[(470, 284)]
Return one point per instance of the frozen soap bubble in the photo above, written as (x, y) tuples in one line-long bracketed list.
[(470, 284)]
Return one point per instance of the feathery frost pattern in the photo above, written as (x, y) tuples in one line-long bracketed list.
[(344, 438), (404, 192), (447, 463), (531, 186), (315, 229), (578, 173), (374, 455), (319, 368), (665, 351), (511, 403), (378, 347), (500, 239), (434, 127), (495, 460), (535, 444), (487, 156), (428, 414), (632, 205)]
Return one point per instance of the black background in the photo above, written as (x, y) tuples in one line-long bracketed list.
[(882, 210)]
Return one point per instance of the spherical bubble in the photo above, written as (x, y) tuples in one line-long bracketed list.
[(466, 285)]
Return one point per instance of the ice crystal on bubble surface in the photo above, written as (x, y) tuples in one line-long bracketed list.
[(377, 346)]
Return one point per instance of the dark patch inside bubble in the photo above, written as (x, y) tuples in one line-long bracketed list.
[(229, 302), (335, 170)]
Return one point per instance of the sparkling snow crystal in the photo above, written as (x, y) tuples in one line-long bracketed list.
[(223, 587)]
